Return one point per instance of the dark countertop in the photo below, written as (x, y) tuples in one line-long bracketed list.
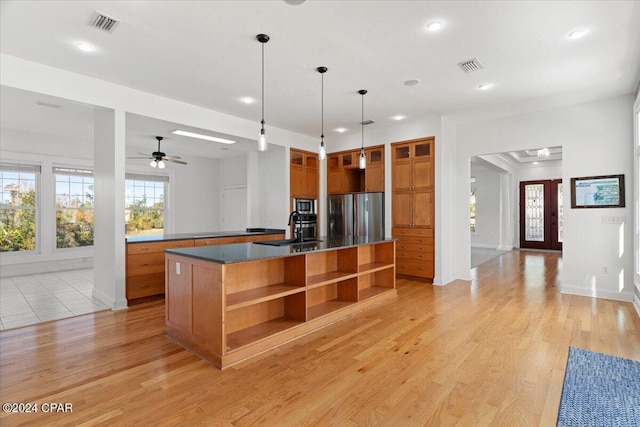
[(242, 252), (203, 235)]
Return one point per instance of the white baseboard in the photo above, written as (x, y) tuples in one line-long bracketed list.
[(505, 248), (483, 245), (113, 304), (24, 269), (616, 296)]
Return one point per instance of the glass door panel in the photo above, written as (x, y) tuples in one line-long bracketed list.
[(541, 219), (534, 213)]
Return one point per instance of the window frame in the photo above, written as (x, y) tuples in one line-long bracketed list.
[(64, 170), (36, 169), (145, 177)]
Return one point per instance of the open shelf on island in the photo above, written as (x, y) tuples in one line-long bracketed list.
[(257, 332), (326, 307), (374, 266), (328, 278), (375, 283), (262, 294), (325, 299)]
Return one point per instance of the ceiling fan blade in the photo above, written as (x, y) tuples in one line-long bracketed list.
[(172, 157), (145, 157), (180, 162), (143, 154)]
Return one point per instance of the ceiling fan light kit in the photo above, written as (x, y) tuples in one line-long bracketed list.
[(158, 158)]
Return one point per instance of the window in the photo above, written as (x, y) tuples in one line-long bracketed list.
[(74, 207), (18, 208), (144, 204)]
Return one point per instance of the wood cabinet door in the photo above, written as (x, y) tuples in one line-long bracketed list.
[(422, 208), (374, 173), (374, 178), (297, 179), (401, 171), (401, 205), (311, 183), (349, 160), (422, 172), (334, 181), (178, 300)]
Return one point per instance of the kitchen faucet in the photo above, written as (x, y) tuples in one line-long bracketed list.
[(296, 230)]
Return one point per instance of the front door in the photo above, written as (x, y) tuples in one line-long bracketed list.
[(541, 214)]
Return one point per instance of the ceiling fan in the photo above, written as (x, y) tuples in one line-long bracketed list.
[(158, 157)]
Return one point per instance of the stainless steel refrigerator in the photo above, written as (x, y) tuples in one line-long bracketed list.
[(356, 214)]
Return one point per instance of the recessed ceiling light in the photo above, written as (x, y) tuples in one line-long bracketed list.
[(398, 117), (485, 86), (85, 47), (341, 130), (412, 82), (247, 100), (576, 34), (201, 136), (434, 26)]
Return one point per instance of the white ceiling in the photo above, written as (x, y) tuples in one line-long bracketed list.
[(205, 53)]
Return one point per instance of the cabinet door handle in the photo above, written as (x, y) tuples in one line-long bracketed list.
[(145, 264)]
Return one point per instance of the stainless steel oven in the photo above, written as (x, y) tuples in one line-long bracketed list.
[(308, 224)]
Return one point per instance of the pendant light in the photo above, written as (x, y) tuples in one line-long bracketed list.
[(262, 139), (323, 149), (363, 159)]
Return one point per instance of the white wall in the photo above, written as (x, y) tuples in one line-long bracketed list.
[(596, 139), (487, 185)]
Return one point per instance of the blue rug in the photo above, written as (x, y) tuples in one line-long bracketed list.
[(600, 390)]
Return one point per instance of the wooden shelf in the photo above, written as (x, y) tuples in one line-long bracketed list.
[(327, 307), (374, 266), (373, 292), (257, 295), (255, 333), (328, 278)]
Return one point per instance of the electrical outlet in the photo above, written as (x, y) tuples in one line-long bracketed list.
[(605, 270), (177, 268)]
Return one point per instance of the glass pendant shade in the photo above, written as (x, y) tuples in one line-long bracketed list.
[(161, 164), (153, 163), (262, 141), (322, 151), (363, 160)]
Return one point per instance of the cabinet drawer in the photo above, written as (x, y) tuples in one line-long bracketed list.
[(154, 247), (414, 268), (407, 231), (145, 264), (409, 255), (218, 241), (400, 246), (145, 285), (414, 240), (264, 237)]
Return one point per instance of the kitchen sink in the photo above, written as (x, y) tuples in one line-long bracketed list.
[(286, 242)]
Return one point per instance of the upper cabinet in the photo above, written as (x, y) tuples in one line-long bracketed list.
[(344, 175), (304, 174)]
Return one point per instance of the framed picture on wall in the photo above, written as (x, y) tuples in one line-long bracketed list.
[(598, 192)]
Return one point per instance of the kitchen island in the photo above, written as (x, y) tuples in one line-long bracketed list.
[(145, 256), (231, 302)]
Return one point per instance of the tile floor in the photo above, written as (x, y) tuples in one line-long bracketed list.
[(26, 300)]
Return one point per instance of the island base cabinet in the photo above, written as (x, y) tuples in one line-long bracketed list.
[(227, 313)]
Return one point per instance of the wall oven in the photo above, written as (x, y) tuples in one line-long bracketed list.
[(307, 221)]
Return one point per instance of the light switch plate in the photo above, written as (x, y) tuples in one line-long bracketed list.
[(177, 268)]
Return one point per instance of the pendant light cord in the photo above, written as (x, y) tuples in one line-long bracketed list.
[(262, 122), (322, 107), (362, 123)]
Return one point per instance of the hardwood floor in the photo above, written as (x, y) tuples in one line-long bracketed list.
[(489, 352)]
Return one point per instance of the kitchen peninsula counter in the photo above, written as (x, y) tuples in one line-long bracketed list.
[(229, 303), (145, 256)]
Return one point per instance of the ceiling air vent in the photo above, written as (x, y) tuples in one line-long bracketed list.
[(367, 122), (48, 104), (470, 65), (103, 22)]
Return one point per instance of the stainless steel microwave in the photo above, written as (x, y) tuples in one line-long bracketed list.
[(305, 206)]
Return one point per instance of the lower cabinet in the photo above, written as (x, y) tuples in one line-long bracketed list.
[(414, 252), (145, 271), (238, 310)]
